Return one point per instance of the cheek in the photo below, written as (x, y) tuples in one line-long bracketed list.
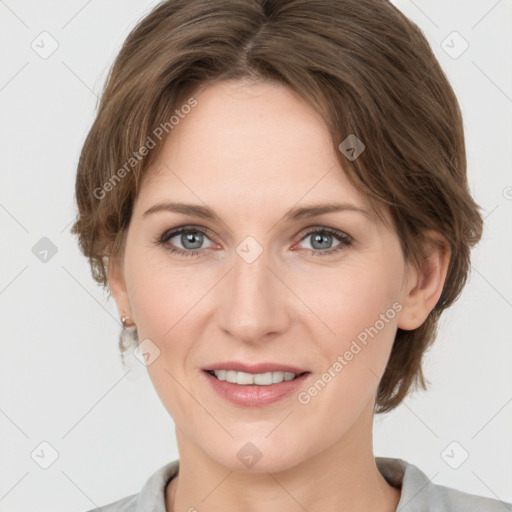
[(162, 295), (354, 350), (348, 300), (164, 300), (356, 325)]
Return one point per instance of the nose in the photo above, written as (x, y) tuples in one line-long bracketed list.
[(255, 303)]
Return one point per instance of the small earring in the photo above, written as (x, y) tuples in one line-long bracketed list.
[(124, 321), (128, 337)]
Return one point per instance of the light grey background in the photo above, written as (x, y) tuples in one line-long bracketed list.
[(61, 378)]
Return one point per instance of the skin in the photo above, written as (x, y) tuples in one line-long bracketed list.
[(251, 151)]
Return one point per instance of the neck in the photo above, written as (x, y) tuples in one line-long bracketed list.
[(346, 473)]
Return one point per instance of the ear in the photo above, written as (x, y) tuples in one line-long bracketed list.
[(424, 285), (117, 286)]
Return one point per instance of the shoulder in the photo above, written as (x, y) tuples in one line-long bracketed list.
[(420, 494), (150, 498), (127, 504), (455, 500)]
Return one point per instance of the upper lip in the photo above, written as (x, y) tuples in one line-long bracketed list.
[(254, 368)]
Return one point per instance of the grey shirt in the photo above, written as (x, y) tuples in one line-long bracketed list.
[(418, 493)]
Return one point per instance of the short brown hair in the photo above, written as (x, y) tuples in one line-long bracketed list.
[(361, 63)]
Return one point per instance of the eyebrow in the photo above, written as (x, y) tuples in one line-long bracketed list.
[(292, 214)]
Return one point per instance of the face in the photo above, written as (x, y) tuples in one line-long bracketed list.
[(252, 284)]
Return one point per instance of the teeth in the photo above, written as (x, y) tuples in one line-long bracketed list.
[(261, 379)]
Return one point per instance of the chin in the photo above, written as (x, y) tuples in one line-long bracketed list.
[(258, 455)]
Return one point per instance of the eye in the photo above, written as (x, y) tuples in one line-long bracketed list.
[(321, 241), (190, 238)]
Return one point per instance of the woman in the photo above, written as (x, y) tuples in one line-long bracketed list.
[(275, 194)]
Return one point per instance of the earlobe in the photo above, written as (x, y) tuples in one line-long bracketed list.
[(117, 286), (425, 284)]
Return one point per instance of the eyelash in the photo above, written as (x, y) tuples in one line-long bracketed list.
[(345, 240)]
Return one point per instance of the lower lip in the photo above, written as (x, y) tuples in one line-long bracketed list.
[(254, 395)]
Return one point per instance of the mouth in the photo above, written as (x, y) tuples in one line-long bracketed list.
[(246, 389), (258, 379)]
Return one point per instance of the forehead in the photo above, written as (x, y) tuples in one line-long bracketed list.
[(253, 144)]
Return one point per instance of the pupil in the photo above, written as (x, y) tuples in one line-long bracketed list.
[(319, 238), (189, 237)]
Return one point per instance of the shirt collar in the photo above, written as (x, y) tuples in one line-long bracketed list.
[(418, 493), (416, 488), (152, 495)]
